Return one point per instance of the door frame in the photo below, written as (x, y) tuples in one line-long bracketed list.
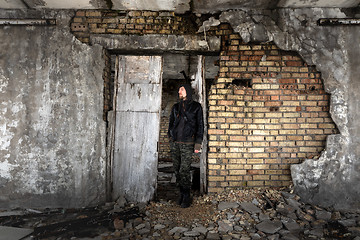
[(200, 82)]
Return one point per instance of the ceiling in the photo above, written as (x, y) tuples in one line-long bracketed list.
[(179, 6)]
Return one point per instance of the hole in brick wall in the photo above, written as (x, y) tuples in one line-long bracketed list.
[(227, 43), (274, 109), (241, 83)]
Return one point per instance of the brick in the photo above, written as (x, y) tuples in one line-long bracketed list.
[(237, 126), (274, 69), (255, 183), (308, 126), (261, 132), (80, 13), (256, 150), (213, 166), (314, 143), (217, 108), (234, 132), (260, 155), (291, 126), (234, 155), (291, 115), (308, 103), (217, 178), (226, 102), (326, 126), (273, 115), (244, 47), (216, 143), (91, 13), (235, 97), (98, 30), (237, 172), (291, 103), (215, 131), (255, 138), (225, 114), (234, 178), (272, 127), (273, 104), (233, 166), (231, 119), (287, 109), (261, 177), (308, 149), (261, 120), (267, 63)]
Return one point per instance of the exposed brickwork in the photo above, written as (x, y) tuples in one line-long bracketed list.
[(267, 110), (164, 147), (88, 22)]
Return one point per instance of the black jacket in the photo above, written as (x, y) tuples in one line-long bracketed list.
[(193, 130)]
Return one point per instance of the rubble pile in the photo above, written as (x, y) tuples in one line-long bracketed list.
[(238, 214), (242, 214)]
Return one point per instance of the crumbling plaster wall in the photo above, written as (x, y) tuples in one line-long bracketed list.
[(331, 180), (52, 136)]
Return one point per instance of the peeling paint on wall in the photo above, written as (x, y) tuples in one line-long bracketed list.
[(52, 147)]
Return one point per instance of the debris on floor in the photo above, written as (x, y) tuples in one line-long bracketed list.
[(238, 214), (11, 233)]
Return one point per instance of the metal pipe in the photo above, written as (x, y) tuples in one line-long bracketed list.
[(43, 22)]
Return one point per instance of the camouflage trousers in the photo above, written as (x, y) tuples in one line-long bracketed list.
[(181, 155)]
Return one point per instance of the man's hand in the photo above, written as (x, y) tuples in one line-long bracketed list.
[(197, 148)]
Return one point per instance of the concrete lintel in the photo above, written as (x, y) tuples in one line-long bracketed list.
[(157, 42)]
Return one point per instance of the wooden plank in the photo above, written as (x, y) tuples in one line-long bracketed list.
[(135, 170), (138, 105), (138, 97), (136, 69)]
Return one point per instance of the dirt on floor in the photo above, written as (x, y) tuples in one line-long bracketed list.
[(203, 209)]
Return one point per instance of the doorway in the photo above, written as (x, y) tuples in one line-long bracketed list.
[(145, 88), (201, 70)]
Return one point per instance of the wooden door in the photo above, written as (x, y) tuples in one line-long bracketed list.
[(138, 105)]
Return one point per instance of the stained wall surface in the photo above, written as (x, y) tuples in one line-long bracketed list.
[(52, 148), (332, 179)]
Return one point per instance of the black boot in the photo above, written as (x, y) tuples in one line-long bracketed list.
[(181, 197), (186, 202)]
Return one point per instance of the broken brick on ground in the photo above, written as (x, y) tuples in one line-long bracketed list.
[(235, 214)]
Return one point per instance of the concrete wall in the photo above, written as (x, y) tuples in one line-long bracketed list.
[(332, 180), (52, 144)]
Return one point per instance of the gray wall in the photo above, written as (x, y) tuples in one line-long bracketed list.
[(333, 179), (52, 147)]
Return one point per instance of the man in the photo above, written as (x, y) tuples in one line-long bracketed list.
[(186, 130)]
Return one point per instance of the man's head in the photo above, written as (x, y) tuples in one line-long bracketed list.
[(185, 92), (182, 93)]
